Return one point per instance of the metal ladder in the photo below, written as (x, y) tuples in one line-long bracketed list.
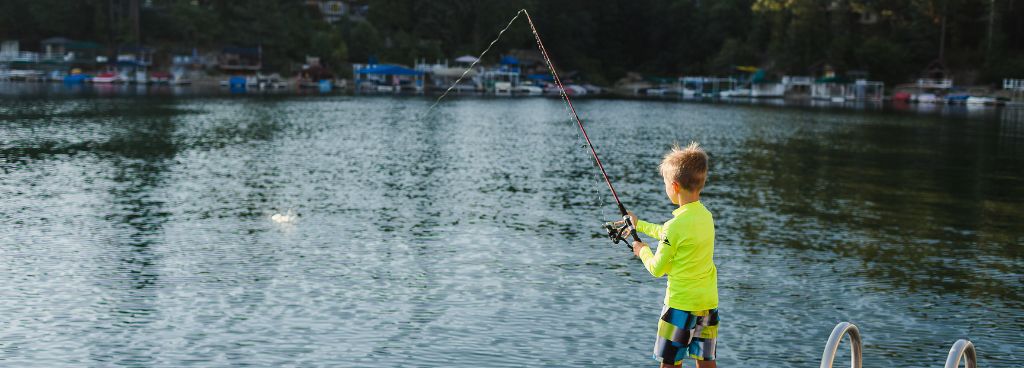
[(961, 350)]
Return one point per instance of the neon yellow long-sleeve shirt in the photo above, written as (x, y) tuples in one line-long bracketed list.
[(686, 247)]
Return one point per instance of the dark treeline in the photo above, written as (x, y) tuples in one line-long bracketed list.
[(892, 40)]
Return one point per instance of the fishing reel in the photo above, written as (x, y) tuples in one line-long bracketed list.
[(617, 232)]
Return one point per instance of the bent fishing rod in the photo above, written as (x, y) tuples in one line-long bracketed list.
[(616, 232)]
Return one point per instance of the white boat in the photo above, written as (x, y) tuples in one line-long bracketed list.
[(655, 92), (981, 100), (926, 98), (741, 92), (592, 89), (576, 90), (56, 76), (768, 90), (503, 88), (465, 87), (139, 76), (527, 90), (26, 75), (105, 78), (180, 80)]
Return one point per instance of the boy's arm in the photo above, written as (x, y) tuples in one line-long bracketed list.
[(658, 263), (652, 230)]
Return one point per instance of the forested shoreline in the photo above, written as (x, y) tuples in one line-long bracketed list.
[(978, 41)]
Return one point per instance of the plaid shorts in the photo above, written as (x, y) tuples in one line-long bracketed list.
[(686, 333)]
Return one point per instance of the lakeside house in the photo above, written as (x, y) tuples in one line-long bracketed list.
[(1015, 87), (9, 50), (386, 78), (705, 86), (853, 86), (797, 86), (58, 56), (132, 63), (240, 60), (925, 90), (503, 78), (786, 87), (68, 51), (243, 65), (185, 66), (315, 75), (61, 57), (440, 75), (839, 89)]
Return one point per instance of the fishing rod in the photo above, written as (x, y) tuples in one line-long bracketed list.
[(616, 232)]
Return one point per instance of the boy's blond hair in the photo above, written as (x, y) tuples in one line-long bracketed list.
[(686, 166)]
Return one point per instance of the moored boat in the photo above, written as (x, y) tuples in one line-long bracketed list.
[(529, 90), (107, 77), (735, 93), (160, 77), (929, 98), (956, 99), (979, 100)]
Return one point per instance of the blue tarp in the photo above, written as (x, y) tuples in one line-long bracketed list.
[(76, 78), (543, 77), (389, 70), (509, 60)]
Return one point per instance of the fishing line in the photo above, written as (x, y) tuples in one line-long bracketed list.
[(481, 57), (615, 233)]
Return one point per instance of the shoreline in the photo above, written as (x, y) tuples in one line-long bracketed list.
[(211, 87)]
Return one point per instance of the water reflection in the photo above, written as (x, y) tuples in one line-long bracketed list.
[(140, 154), (912, 192)]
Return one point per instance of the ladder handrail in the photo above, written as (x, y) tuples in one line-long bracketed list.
[(843, 328), (962, 349)]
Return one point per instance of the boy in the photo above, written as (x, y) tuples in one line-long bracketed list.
[(689, 319)]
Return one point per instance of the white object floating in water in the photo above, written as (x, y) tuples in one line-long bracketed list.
[(286, 218)]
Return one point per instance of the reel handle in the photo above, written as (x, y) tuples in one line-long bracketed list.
[(617, 232)]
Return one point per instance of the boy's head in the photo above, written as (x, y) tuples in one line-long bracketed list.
[(684, 169)]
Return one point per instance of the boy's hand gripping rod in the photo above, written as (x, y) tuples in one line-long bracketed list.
[(616, 234)]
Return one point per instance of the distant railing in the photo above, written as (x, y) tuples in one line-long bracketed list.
[(1013, 84), (935, 83), (20, 56), (797, 80), (841, 329), (962, 349)]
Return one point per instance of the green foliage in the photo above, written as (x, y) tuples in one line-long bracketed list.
[(733, 53), (892, 40), (885, 58), (366, 42)]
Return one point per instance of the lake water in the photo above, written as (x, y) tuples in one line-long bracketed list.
[(138, 231)]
